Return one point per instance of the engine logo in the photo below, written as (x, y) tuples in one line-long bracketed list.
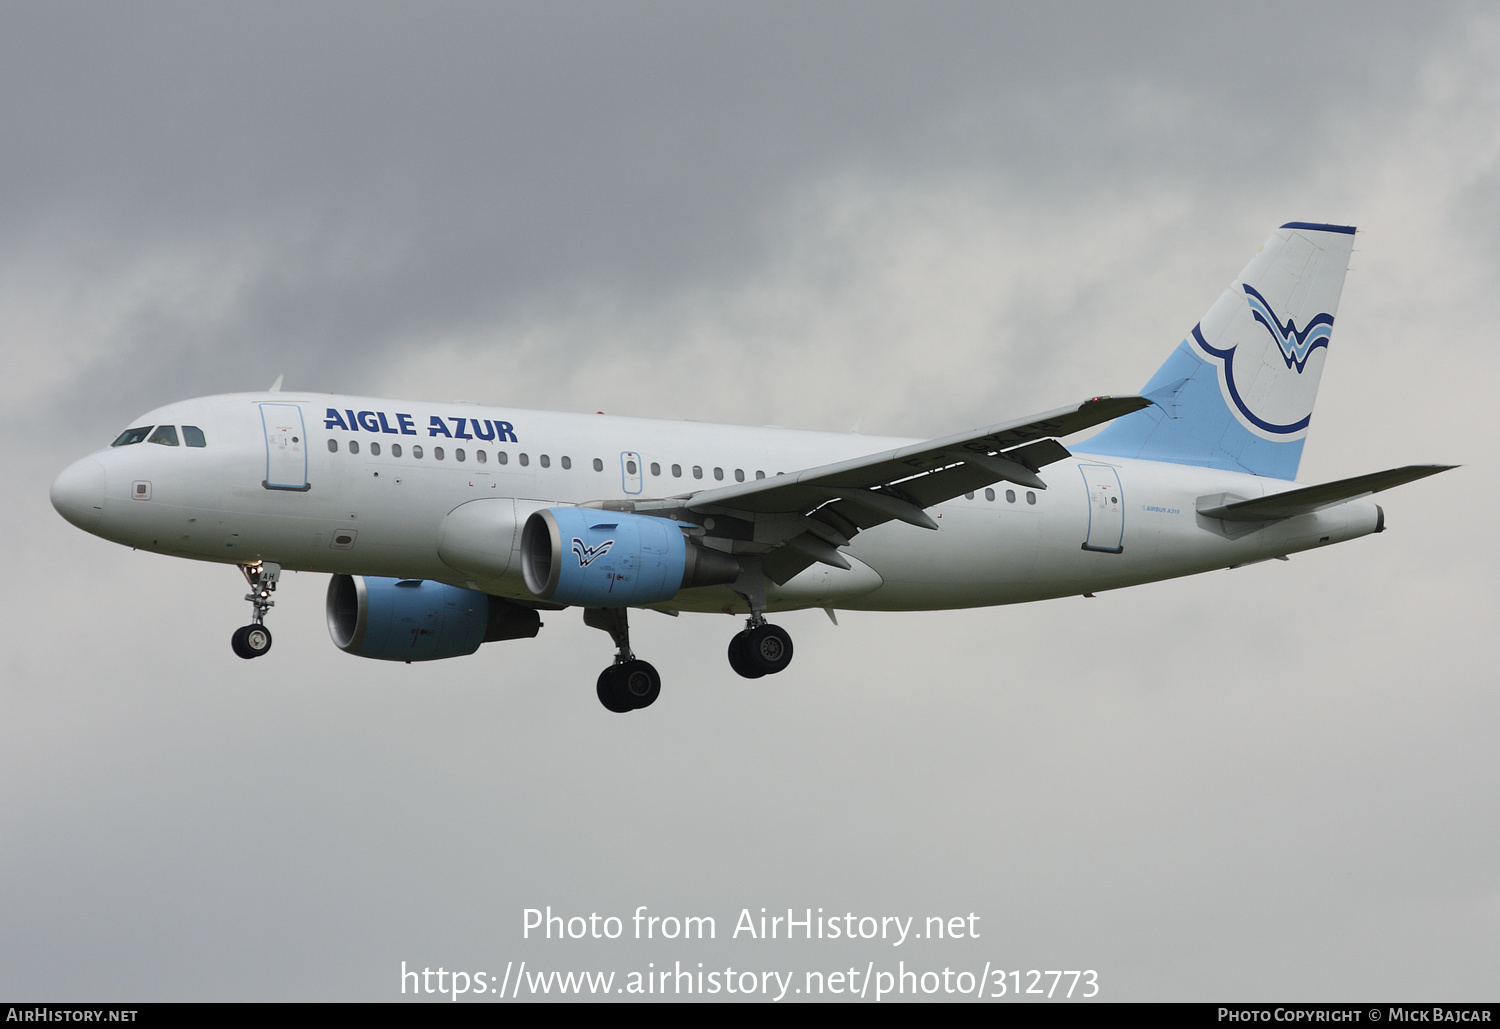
[(587, 555)]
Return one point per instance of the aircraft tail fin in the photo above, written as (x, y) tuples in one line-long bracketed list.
[(1238, 393)]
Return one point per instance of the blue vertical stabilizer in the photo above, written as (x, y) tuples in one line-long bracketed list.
[(1238, 393)]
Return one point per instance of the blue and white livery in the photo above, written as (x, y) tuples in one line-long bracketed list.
[(1239, 392), (444, 527)]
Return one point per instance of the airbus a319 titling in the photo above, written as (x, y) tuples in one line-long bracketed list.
[(450, 525)]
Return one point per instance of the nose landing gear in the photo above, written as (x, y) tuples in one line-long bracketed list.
[(254, 639)]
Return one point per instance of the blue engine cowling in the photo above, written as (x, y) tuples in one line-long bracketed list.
[(577, 555), (418, 619)]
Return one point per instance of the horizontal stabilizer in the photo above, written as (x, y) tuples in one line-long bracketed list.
[(1312, 498)]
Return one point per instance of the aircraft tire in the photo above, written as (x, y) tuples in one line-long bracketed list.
[(250, 641), (609, 691), (739, 661), (639, 684), (768, 647)]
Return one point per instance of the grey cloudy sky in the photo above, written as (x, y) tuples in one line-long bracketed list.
[(1278, 782)]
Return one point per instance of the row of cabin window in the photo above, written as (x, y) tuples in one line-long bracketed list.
[(165, 435), (739, 473), (503, 457), (459, 454), (1010, 496)]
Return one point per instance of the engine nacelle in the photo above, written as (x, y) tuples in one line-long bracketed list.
[(577, 555), (418, 619)]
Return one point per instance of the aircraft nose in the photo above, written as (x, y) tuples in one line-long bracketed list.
[(78, 493)]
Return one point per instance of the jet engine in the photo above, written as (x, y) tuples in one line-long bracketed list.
[(418, 619), (577, 555)]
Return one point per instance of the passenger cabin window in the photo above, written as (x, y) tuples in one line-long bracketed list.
[(502, 457), (132, 436), (437, 453), (416, 452), (193, 436), (354, 446), (567, 463), (677, 471), (598, 465), (481, 456), (375, 449), (458, 455), (697, 471), (655, 468), (525, 460), (546, 461), (166, 435), (739, 475), (395, 449), (719, 474), (333, 446)]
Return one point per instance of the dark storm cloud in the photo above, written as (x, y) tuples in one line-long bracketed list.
[(389, 167)]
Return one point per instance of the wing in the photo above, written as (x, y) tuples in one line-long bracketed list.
[(803, 517)]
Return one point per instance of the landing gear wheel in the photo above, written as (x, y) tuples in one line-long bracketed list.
[(251, 641), (609, 692), (738, 659), (767, 647), (628, 685), (639, 683)]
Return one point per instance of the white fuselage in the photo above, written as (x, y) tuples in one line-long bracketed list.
[(1101, 524)]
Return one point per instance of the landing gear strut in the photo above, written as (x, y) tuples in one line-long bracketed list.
[(629, 683), (254, 639)]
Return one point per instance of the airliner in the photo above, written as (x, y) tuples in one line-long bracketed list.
[(445, 526)]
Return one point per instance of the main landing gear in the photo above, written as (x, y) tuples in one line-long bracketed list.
[(760, 649), (254, 639), (629, 683)]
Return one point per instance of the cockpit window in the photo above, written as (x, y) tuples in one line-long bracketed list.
[(193, 436), (130, 436), (166, 435)]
